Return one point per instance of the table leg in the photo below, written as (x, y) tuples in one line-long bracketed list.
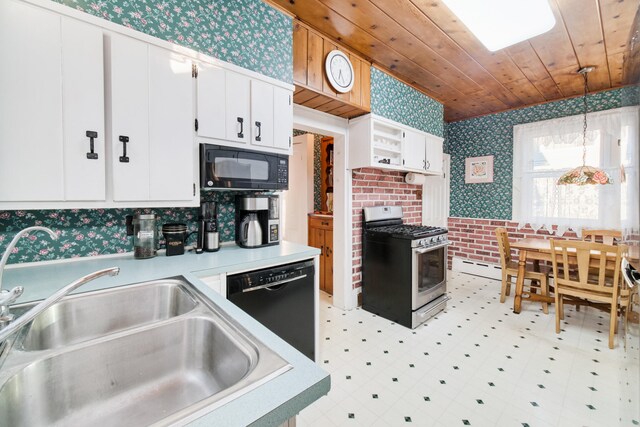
[(536, 267), (517, 300)]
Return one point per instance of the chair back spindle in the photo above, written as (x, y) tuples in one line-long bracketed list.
[(503, 247)]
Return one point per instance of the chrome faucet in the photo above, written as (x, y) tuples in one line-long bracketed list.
[(8, 297), (27, 317)]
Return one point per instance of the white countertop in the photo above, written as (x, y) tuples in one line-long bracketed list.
[(268, 405)]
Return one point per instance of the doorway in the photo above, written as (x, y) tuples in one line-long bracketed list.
[(317, 122), (308, 204)]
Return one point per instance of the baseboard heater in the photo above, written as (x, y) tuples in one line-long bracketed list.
[(476, 268)]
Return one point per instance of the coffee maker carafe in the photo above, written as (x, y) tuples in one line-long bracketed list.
[(257, 221)]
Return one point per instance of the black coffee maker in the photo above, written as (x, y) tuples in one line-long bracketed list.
[(208, 237)]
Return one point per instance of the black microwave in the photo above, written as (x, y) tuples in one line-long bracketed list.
[(236, 168)]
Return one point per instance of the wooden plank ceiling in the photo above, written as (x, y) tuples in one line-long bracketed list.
[(422, 43)]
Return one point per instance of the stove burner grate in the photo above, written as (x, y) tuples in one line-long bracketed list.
[(406, 230)]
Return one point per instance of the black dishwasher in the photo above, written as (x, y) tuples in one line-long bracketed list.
[(282, 299)]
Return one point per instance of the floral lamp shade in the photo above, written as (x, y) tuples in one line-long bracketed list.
[(584, 175)]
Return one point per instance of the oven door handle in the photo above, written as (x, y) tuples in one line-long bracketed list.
[(430, 248)]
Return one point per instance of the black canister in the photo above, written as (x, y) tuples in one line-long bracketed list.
[(175, 236)]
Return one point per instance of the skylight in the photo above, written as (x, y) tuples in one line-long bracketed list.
[(501, 23)]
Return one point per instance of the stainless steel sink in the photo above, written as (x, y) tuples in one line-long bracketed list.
[(164, 371), (86, 316)]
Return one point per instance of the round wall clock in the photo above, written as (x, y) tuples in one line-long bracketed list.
[(339, 71)]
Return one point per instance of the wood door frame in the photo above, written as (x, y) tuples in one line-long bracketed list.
[(307, 119)]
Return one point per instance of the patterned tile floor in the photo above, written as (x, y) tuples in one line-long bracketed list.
[(475, 364)]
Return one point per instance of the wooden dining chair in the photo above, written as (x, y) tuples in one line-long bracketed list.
[(572, 261), (608, 237), (510, 270)]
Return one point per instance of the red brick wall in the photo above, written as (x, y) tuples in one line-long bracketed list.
[(474, 238), (373, 187)]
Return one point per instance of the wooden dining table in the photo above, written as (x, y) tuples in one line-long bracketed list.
[(536, 250)]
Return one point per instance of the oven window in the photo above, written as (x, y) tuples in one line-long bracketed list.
[(431, 269), (244, 169)]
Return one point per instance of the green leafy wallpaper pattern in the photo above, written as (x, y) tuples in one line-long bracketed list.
[(394, 100), (91, 232), (493, 135), (248, 33), (317, 140)]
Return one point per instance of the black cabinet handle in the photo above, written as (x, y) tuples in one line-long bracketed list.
[(424, 164), (92, 155), (428, 164), (259, 125), (241, 133), (124, 140)]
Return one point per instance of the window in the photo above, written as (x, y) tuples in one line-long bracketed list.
[(545, 150)]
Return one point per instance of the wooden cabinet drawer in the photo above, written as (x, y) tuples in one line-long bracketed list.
[(323, 223)]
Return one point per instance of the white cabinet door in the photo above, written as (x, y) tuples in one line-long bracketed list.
[(83, 111), (282, 118), (171, 143), (129, 89), (238, 101), (211, 105), (262, 110), (31, 143), (414, 150), (434, 154)]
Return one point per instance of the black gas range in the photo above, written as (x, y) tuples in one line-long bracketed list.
[(404, 267)]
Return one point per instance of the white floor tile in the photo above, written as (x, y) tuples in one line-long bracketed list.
[(475, 364)]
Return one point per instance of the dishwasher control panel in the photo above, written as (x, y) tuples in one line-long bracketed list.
[(268, 277)]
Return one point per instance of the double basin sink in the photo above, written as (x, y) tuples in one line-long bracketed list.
[(156, 353)]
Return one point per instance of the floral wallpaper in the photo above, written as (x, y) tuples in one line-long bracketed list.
[(91, 232), (493, 135), (248, 33), (317, 139), (394, 100)]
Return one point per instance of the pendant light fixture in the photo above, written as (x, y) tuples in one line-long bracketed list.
[(583, 175)]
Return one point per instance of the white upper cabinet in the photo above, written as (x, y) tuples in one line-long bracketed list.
[(83, 111), (31, 144), (261, 113), (282, 118), (414, 150), (172, 153), (238, 107), (434, 156), (51, 107), (151, 123), (253, 114), (211, 108), (129, 112), (381, 143)]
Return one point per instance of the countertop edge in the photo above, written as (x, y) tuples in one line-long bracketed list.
[(293, 407)]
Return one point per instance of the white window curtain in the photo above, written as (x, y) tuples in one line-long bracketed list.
[(543, 151)]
